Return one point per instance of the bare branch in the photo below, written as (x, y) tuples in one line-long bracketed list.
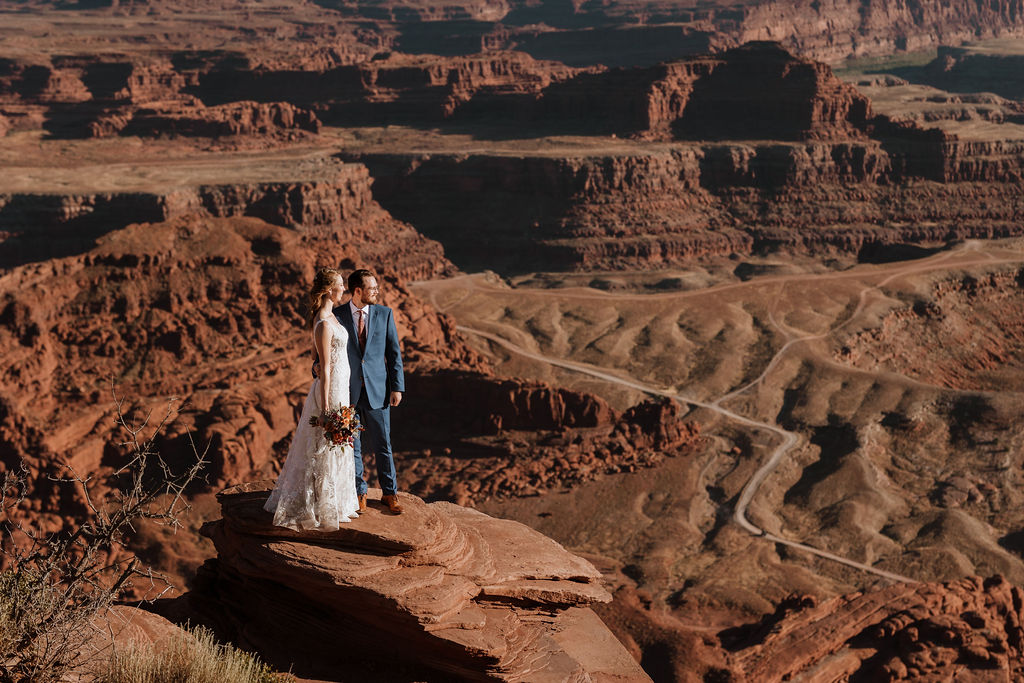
[(55, 583)]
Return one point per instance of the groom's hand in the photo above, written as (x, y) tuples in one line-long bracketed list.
[(396, 398)]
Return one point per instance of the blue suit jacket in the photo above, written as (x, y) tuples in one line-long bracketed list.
[(379, 366)]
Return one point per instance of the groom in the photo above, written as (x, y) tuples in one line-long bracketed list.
[(376, 382)]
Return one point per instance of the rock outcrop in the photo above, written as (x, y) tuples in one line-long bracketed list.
[(528, 438), (397, 88), (273, 119), (967, 630), (683, 202), (220, 94), (122, 625), (448, 591), (711, 97), (965, 334), (976, 70)]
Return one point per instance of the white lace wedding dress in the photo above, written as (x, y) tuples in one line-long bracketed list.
[(317, 486)]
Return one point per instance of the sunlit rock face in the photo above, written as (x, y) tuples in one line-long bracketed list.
[(441, 589)]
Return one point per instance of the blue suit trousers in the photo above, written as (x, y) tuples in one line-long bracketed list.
[(375, 438)]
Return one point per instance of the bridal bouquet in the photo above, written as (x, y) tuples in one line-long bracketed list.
[(340, 426)]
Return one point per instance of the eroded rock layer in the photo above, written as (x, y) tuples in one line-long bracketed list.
[(446, 588), (967, 630), (965, 334), (675, 205), (319, 194)]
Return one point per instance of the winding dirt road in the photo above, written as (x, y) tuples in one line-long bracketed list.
[(966, 256)]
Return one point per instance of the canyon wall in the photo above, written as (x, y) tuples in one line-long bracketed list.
[(683, 202), (815, 170), (226, 94), (322, 194), (636, 32)]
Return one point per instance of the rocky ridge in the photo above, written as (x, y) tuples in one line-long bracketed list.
[(103, 95), (221, 94), (466, 595)]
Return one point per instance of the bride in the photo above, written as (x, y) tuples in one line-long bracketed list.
[(316, 488)]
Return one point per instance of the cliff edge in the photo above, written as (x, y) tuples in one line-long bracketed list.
[(442, 592)]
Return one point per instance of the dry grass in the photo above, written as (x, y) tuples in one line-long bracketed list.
[(187, 656)]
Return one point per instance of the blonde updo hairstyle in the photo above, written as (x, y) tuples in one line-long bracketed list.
[(322, 283)]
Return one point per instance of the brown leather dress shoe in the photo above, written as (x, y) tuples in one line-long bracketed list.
[(362, 502), (392, 502)]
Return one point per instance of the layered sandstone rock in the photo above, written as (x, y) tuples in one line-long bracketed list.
[(682, 202), (102, 95), (396, 89), (441, 590), (711, 97), (220, 93), (320, 194), (815, 170), (197, 307), (273, 119), (967, 630)]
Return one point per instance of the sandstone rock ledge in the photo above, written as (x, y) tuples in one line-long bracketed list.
[(442, 591)]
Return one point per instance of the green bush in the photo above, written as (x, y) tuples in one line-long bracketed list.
[(186, 657)]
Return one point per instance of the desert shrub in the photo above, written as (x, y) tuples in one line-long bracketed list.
[(54, 584), (38, 633), (186, 657)]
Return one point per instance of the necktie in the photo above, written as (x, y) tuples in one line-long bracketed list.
[(362, 330)]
